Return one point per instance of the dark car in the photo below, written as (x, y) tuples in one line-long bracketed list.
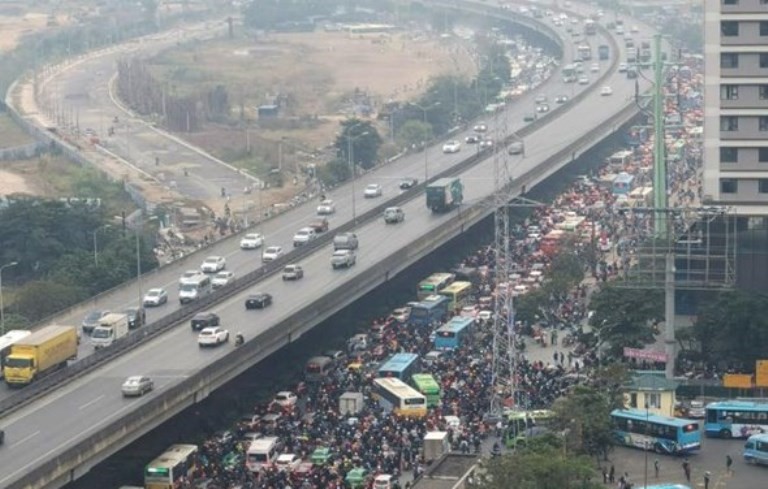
[(407, 183), (137, 317), (2, 437), (473, 139), (319, 225), (258, 301), (203, 320)]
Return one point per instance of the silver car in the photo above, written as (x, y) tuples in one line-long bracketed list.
[(137, 385)]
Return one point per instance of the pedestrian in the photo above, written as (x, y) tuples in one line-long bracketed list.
[(728, 464), (612, 475), (656, 467), (706, 479), (687, 470), (605, 476)]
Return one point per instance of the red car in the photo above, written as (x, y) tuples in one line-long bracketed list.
[(319, 225)]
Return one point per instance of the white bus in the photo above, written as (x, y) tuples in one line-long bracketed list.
[(397, 397), (7, 341), (165, 471)]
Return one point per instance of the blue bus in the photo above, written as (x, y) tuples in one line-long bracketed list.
[(736, 419), (756, 450), (665, 486), (431, 308), (454, 334), (662, 434), (401, 366)]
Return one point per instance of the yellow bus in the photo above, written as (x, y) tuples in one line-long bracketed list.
[(458, 293), (397, 397), (434, 284), (165, 471)]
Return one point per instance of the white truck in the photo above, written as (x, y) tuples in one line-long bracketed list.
[(111, 328)]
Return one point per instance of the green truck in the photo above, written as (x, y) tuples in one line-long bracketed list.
[(42, 352), (445, 194)]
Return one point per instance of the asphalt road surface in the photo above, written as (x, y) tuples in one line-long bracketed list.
[(37, 432)]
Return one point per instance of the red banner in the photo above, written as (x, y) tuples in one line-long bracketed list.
[(654, 356)]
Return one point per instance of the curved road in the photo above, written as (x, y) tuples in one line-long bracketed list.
[(38, 432), (280, 230)]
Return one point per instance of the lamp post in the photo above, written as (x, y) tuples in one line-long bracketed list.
[(645, 443), (2, 306), (426, 161), (95, 232), (140, 228), (351, 163)]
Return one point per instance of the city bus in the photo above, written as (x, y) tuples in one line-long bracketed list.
[(7, 341), (165, 471), (454, 334), (522, 425), (662, 434), (590, 27), (736, 419), (400, 366), (756, 450), (427, 385), (434, 284), (458, 294), (569, 73), (431, 308), (584, 52), (397, 397)]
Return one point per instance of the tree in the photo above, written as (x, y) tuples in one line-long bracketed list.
[(39, 299), (414, 133), (364, 140), (542, 468), (623, 317), (733, 329), (585, 418), (335, 172)]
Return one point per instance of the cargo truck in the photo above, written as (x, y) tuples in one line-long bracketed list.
[(603, 52), (40, 353), (111, 328), (445, 194)]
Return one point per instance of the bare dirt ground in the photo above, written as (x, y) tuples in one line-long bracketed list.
[(320, 77)]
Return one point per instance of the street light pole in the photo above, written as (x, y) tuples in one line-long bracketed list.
[(351, 163), (95, 243), (2, 306), (426, 160)]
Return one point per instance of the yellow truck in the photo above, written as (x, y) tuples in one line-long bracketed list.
[(42, 352)]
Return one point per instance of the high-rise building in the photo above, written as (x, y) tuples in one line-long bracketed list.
[(736, 106)]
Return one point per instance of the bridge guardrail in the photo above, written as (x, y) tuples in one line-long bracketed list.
[(163, 324)]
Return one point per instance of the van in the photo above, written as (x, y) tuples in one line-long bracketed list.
[(261, 453), (196, 289), (345, 241), (393, 215), (317, 368)]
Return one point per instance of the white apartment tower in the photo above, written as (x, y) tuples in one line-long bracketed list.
[(736, 105)]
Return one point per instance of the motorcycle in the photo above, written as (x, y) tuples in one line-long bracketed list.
[(239, 340)]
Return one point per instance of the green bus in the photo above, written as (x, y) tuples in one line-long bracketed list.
[(522, 425), (428, 386)]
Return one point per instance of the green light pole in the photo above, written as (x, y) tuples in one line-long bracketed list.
[(659, 157)]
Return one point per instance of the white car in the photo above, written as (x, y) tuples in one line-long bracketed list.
[(252, 241), (190, 277), (287, 462), (480, 127), (155, 297), (583, 80), (271, 253), (622, 67), (222, 278), (401, 314), (605, 91), (373, 190), (286, 399), (212, 336), (594, 68), (452, 147), (213, 264), (326, 207), (304, 236)]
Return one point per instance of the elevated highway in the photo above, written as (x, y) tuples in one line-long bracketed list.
[(58, 437)]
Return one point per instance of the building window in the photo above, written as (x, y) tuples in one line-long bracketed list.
[(729, 155), (762, 123), (763, 28), (729, 92), (763, 60), (730, 2), (729, 28), (729, 60), (729, 123), (762, 155), (762, 185), (729, 186), (653, 400), (763, 90)]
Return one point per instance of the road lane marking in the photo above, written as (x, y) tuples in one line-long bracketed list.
[(26, 438), (92, 402)]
